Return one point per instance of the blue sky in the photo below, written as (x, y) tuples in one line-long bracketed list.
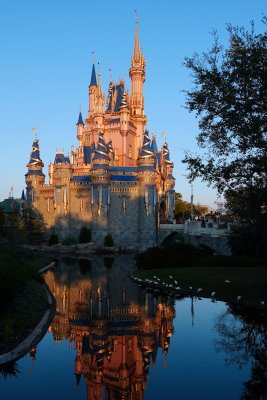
[(46, 65)]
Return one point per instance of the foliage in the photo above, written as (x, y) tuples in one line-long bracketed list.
[(108, 241), (249, 233), (53, 239), (176, 255), (2, 222), (34, 225), (69, 240), (15, 271), (230, 99), (85, 235), (181, 255), (183, 208)]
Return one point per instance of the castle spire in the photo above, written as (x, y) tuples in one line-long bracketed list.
[(137, 74), (99, 80), (101, 149), (146, 148), (80, 119), (137, 54), (93, 77)]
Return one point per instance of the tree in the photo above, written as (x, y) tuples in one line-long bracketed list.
[(182, 208), (230, 99), (84, 235), (2, 222)]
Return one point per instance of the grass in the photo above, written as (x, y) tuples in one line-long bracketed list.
[(23, 298), (248, 282), (200, 268)]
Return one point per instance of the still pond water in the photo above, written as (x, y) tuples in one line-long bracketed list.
[(111, 339)]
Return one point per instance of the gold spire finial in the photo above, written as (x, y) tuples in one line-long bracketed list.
[(110, 74), (80, 107), (35, 133), (93, 56)]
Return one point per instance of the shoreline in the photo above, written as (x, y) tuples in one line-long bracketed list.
[(39, 330), (175, 292)]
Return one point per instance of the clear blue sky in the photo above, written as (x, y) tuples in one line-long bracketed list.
[(46, 65)]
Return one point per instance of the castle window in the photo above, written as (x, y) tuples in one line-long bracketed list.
[(130, 150)]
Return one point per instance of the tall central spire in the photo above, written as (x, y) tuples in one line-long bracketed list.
[(137, 54)]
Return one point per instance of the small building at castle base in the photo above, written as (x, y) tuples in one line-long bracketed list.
[(116, 181)]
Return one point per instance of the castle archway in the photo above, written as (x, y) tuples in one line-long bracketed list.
[(162, 213)]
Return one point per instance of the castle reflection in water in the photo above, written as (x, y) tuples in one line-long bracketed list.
[(116, 327)]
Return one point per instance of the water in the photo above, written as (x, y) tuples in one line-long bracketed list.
[(111, 339)]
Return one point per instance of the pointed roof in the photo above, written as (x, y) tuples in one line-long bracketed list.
[(146, 149), (154, 146), (80, 119), (101, 149), (93, 77), (123, 103), (35, 159), (115, 97), (166, 153), (23, 198), (137, 53)]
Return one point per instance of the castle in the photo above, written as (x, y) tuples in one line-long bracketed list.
[(117, 181)]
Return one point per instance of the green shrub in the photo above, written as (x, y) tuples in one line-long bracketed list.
[(53, 239), (108, 241), (69, 240), (85, 235)]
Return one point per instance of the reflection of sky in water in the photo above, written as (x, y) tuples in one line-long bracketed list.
[(51, 376), (192, 369)]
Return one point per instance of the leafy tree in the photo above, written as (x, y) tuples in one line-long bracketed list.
[(230, 99), (53, 239), (183, 208), (34, 225), (2, 222), (108, 240), (85, 235)]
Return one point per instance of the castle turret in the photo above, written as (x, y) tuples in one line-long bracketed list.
[(124, 125), (92, 93), (80, 128), (137, 74), (101, 160), (99, 98), (35, 176)]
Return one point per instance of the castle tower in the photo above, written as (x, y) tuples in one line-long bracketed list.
[(137, 75), (35, 176), (80, 127), (92, 93), (124, 127)]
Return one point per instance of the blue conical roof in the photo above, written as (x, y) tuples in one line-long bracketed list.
[(166, 154), (146, 148), (35, 155), (80, 119), (93, 77), (101, 149)]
